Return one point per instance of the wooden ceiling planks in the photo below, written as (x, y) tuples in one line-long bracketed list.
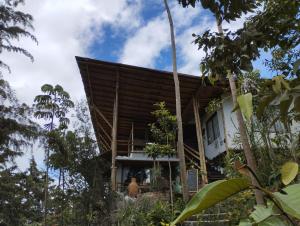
[(139, 89)]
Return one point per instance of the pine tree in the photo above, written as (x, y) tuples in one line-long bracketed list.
[(17, 130), (14, 24)]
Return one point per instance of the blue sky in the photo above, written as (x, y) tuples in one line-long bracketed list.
[(109, 48), (133, 32)]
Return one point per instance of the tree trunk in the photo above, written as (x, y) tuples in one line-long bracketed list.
[(59, 178), (171, 189), (63, 198), (180, 147), (251, 162), (47, 171), (46, 187)]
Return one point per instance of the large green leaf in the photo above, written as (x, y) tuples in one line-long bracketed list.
[(290, 202), (245, 222), (263, 103), (245, 103), (261, 213), (274, 221), (212, 194), (289, 171)]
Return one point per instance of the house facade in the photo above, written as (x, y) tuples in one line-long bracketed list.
[(121, 99)]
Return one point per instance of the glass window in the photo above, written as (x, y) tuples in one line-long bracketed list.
[(212, 127)]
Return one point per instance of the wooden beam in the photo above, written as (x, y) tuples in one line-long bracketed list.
[(103, 130), (185, 110), (200, 141), (104, 143), (114, 136), (224, 126), (102, 116)]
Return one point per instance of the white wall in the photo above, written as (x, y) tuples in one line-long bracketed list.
[(230, 122), (217, 146), (231, 125)]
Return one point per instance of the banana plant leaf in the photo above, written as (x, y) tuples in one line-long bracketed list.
[(212, 194), (289, 171), (289, 202)]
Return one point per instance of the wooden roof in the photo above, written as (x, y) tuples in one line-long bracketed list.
[(139, 89)]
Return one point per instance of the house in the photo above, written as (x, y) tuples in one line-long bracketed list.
[(121, 99)]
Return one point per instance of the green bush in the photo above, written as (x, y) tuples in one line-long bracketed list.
[(146, 212)]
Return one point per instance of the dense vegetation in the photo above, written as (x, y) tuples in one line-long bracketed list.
[(78, 195), (73, 188)]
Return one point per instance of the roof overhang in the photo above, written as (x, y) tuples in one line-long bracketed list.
[(139, 89)]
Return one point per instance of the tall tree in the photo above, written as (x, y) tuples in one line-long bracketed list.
[(19, 196), (274, 24), (180, 144), (14, 24), (212, 45), (17, 130), (52, 106), (163, 132)]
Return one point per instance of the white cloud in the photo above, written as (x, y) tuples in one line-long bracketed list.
[(146, 45), (189, 55), (64, 29)]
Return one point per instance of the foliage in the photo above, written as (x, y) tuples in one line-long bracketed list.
[(21, 195), (288, 172), (17, 130), (14, 24), (163, 132), (213, 105), (245, 104), (284, 62), (272, 25), (53, 104), (145, 211), (282, 204), (212, 194), (284, 94), (225, 10)]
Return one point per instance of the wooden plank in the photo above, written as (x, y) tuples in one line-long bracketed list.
[(200, 142), (104, 142), (103, 130), (102, 116)]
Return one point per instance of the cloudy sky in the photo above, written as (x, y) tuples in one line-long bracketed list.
[(127, 31)]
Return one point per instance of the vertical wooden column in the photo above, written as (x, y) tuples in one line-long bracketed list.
[(114, 137), (200, 142), (224, 127)]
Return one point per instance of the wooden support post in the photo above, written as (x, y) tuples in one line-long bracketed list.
[(132, 137), (114, 137), (224, 127), (200, 142)]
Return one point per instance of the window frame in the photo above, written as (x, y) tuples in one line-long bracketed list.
[(213, 128)]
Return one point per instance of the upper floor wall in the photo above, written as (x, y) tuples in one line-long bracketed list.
[(220, 130)]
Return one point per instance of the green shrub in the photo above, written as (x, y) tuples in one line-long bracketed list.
[(146, 212)]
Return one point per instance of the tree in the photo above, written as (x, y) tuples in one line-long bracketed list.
[(163, 132), (231, 53), (17, 130), (180, 144), (282, 208), (52, 106), (14, 24)]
